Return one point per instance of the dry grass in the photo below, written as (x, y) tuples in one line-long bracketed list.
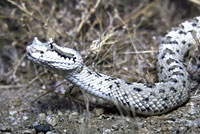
[(124, 31)]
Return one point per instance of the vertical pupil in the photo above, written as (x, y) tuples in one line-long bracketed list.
[(51, 45)]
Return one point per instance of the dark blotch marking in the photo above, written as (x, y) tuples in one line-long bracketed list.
[(109, 94), (153, 94), (128, 103), (110, 87), (100, 82), (165, 99), (182, 26), (168, 37), (173, 80), (137, 89), (128, 83), (165, 107), (161, 68), (63, 55), (149, 85), (177, 73), (163, 56), (180, 96), (174, 67), (170, 60), (136, 108), (89, 72), (109, 79), (155, 111), (194, 24), (146, 99), (182, 32), (173, 89), (183, 42), (117, 84), (184, 83), (98, 75), (161, 91), (124, 103), (74, 59), (174, 42), (167, 50), (51, 45), (148, 108)]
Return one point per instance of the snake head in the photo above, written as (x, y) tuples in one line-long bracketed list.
[(53, 56)]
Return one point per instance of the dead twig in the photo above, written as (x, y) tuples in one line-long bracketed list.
[(92, 11), (143, 11)]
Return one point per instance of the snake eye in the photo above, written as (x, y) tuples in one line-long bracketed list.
[(51, 45), (41, 52)]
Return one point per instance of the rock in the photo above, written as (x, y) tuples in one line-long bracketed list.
[(106, 131), (42, 118), (42, 128), (198, 122), (98, 111), (52, 120), (51, 132), (29, 131), (74, 114)]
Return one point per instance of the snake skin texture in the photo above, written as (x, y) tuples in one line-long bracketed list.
[(172, 90)]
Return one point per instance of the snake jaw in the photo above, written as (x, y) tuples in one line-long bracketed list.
[(50, 54)]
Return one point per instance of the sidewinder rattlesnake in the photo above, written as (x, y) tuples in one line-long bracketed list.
[(172, 90)]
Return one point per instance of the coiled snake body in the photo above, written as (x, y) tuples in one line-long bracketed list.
[(146, 99)]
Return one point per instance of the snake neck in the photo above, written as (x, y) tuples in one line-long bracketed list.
[(90, 81)]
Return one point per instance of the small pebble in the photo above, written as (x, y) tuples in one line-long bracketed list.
[(192, 109), (106, 131), (5, 128), (60, 113), (42, 118), (52, 120), (49, 112), (42, 128), (81, 120), (50, 132), (198, 122), (98, 111), (12, 112), (29, 131), (25, 118), (74, 113)]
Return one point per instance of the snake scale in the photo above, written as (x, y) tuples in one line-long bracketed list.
[(172, 90)]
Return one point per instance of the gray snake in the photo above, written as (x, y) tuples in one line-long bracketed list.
[(172, 90)]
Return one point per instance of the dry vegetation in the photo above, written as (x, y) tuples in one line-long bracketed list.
[(116, 37)]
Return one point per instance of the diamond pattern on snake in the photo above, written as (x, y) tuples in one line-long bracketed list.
[(172, 90)]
